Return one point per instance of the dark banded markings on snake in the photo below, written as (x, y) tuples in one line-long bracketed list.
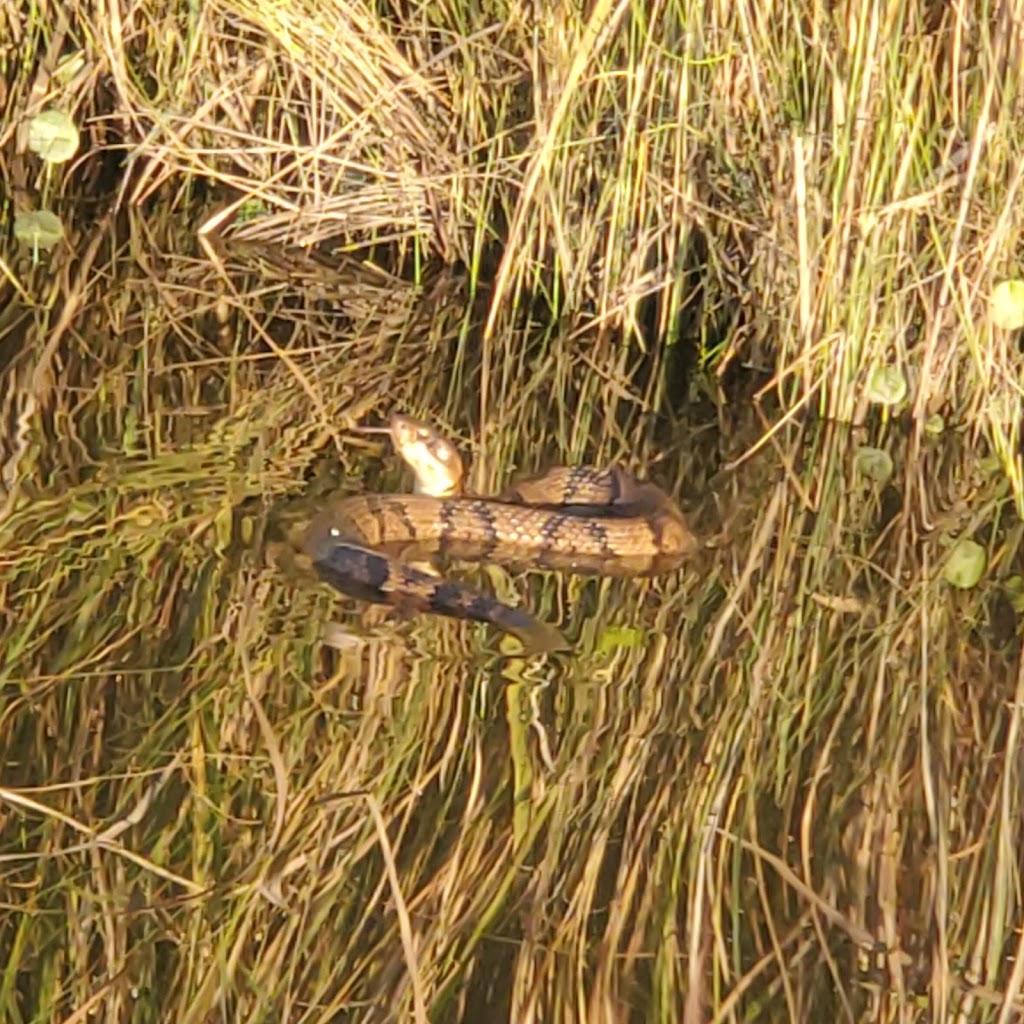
[(468, 519)]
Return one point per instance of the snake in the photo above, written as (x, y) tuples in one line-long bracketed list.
[(578, 519)]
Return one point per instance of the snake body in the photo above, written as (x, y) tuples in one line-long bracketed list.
[(576, 519)]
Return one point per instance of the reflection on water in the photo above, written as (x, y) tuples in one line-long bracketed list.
[(806, 724)]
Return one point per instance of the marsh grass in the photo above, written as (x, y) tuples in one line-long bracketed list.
[(782, 784)]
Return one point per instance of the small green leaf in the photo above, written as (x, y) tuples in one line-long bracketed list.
[(887, 386), (41, 229), (53, 136), (874, 463), (251, 209), (69, 67), (934, 425), (223, 528), (1007, 304), (616, 637), (246, 529), (1014, 589), (965, 564)]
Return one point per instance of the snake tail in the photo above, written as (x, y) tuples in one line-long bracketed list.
[(371, 576)]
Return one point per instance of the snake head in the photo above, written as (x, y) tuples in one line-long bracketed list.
[(432, 457)]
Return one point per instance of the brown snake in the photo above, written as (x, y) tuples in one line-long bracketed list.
[(576, 519)]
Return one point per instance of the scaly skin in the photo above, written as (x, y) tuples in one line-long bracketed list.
[(575, 519)]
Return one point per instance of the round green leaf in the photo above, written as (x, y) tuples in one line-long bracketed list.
[(934, 425), (40, 229), (887, 386), (965, 564), (53, 135), (874, 463), (1007, 304)]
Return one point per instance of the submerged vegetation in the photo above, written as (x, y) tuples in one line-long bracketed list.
[(747, 249)]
